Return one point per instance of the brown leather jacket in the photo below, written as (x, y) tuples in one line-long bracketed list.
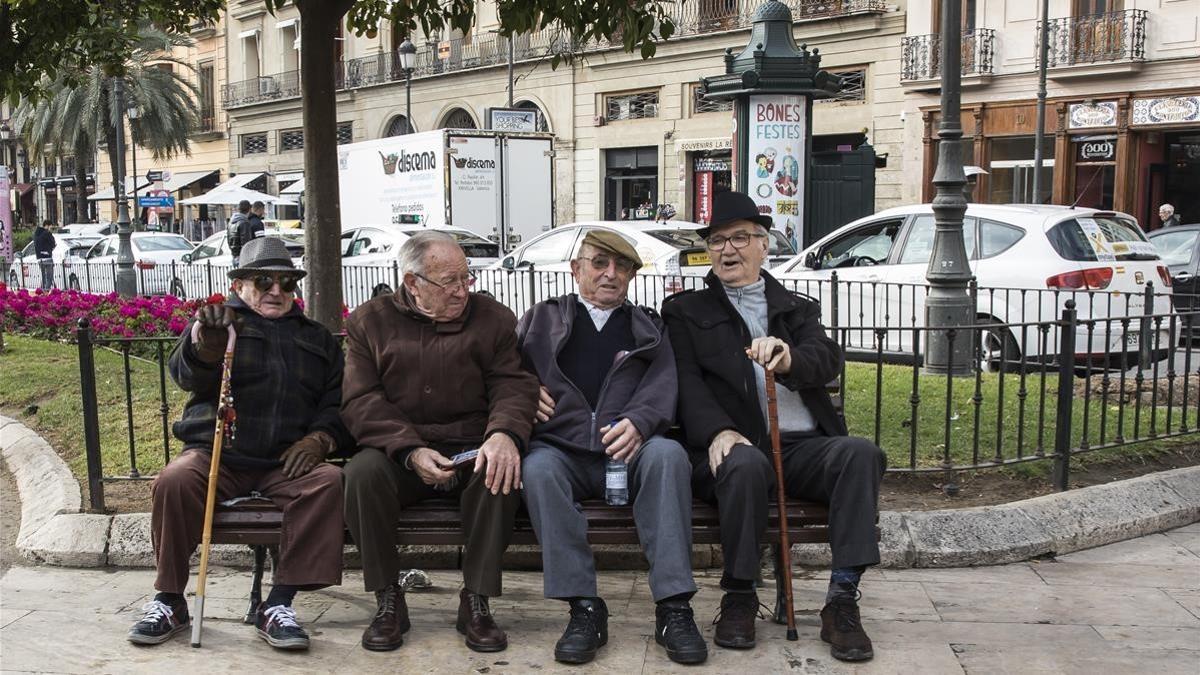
[(411, 382)]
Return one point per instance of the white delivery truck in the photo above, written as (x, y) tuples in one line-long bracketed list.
[(490, 182)]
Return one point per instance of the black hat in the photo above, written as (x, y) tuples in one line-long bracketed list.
[(730, 206), (265, 254)]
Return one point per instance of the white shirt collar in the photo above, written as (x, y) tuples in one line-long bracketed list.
[(599, 316)]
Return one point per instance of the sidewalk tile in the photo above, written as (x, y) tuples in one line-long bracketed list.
[(1189, 599), (1056, 605), (1019, 573), (1052, 658), (1139, 637), (1188, 540), (1154, 549), (1121, 575), (890, 633)]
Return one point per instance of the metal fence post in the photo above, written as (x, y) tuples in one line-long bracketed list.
[(531, 290), (833, 302), (1066, 394), (1144, 328), (91, 415)]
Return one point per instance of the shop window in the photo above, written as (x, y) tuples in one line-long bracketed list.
[(254, 144), (345, 133), (700, 105), (291, 139), (854, 86), (637, 106), (1011, 169)]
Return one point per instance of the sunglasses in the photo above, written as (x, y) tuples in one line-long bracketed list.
[(264, 282)]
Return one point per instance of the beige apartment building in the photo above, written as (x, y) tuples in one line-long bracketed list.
[(628, 131), (1123, 105)]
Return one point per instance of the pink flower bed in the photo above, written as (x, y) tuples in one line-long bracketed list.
[(54, 314)]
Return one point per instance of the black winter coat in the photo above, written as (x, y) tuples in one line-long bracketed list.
[(717, 388)]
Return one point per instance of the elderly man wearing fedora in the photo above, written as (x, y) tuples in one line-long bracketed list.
[(608, 392), (724, 336), (287, 388)]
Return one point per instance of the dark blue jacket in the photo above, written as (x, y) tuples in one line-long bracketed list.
[(43, 243)]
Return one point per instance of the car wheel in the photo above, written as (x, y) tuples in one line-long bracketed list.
[(73, 282), (997, 351), (177, 289)]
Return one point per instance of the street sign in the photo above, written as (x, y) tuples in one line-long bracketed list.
[(157, 201), (157, 175)]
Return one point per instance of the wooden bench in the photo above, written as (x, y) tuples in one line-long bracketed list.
[(256, 523)]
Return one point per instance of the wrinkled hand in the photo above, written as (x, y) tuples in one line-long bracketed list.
[(719, 449), (499, 457), (545, 406), (771, 353), (431, 466), (621, 440), (213, 335), (306, 453)]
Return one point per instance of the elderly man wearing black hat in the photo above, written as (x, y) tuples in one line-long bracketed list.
[(287, 387), (608, 394), (722, 406)]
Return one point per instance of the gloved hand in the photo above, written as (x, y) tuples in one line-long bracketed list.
[(304, 454), (214, 323)]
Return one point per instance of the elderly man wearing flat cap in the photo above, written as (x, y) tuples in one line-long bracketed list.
[(608, 392), (286, 382), (724, 336)]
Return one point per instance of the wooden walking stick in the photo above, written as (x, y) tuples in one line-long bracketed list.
[(785, 550), (226, 419)]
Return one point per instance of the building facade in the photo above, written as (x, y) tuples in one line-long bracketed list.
[(630, 134), (1122, 115)]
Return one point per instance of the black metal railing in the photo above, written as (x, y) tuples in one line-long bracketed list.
[(921, 55), (1064, 373), (1096, 38), (715, 16)]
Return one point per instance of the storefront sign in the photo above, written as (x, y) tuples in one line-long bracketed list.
[(443, 50), (704, 186), (1166, 110), (711, 164), (1104, 150), (512, 119), (776, 143), (701, 144), (1084, 116)]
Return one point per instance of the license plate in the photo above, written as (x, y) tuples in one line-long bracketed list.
[(1131, 339), (700, 258)]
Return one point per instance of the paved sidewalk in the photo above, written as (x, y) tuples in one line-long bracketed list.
[(1123, 608)]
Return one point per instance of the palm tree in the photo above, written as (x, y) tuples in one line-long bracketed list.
[(72, 120)]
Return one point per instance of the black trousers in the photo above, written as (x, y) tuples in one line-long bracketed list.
[(843, 472)]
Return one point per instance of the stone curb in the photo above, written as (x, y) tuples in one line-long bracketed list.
[(54, 531)]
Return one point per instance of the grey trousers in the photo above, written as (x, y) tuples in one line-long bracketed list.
[(556, 480), (377, 488), (843, 472)]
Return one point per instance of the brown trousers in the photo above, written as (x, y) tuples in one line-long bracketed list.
[(310, 550), (377, 488)]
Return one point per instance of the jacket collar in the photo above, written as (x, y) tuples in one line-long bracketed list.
[(235, 301), (779, 299), (645, 332), (406, 304)]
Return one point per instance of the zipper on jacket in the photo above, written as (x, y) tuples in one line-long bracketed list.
[(622, 361)]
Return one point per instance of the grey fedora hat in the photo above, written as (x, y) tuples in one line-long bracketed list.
[(265, 254)]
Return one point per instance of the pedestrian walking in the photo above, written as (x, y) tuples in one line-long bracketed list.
[(1167, 214), (234, 231), (43, 246)]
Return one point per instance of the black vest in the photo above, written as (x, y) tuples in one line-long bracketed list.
[(588, 354)]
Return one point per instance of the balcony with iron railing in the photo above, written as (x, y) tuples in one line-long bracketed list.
[(921, 57), (1096, 43), (439, 57)]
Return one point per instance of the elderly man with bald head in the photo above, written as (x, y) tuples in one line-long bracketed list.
[(432, 371)]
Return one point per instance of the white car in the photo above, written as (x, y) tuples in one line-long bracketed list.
[(674, 258), (1028, 260), (26, 273), (205, 270), (370, 252), (154, 255)]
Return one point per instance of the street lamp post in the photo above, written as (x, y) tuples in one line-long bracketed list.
[(408, 60), (126, 281), (133, 113), (949, 272)]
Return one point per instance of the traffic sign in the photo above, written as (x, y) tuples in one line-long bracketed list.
[(158, 175)]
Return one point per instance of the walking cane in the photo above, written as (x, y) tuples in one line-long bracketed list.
[(785, 550), (226, 418)]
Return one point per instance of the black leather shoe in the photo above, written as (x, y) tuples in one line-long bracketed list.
[(387, 629), (735, 621), (586, 633), (476, 622), (675, 629), (842, 628)]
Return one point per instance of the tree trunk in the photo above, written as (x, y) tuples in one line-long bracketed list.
[(110, 138), (81, 201), (319, 20)]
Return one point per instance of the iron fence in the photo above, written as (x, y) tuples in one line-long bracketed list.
[(921, 55), (1092, 38)]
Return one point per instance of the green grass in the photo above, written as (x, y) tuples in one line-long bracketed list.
[(46, 374)]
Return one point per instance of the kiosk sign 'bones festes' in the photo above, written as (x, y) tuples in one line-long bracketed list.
[(776, 142)]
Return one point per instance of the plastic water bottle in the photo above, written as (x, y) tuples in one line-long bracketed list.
[(616, 483)]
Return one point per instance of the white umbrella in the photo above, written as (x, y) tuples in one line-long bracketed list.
[(233, 195)]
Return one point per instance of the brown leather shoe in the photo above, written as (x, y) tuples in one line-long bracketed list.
[(842, 628), (735, 621), (476, 622), (387, 629)]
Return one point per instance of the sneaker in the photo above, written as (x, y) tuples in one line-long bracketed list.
[(735, 621), (277, 625), (675, 629), (159, 622), (586, 633), (842, 628)]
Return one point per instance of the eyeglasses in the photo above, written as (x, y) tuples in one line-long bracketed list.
[(739, 240), (264, 282), (601, 262), (464, 283)]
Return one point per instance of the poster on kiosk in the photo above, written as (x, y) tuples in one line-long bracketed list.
[(775, 170)]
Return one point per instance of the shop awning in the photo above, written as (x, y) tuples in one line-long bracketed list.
[(183, 179), (233, 195), (23, 188), (296, 188), (106, 194)]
